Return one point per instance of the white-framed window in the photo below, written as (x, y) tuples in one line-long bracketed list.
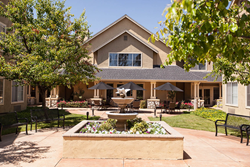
[(125, 59), (200, 66), (232, 93), (1, 91), (17, 94), (2, 29), (248, 96)]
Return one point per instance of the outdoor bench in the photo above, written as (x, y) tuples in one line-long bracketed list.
[(38, 115), (248, 133), (11, 120), (234, 121)]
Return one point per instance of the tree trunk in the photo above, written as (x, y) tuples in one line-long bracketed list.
[(42, 92)]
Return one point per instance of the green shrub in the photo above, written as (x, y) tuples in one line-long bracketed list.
[(141, 127), (211, 114), (132, 122), (143, 104), (112, 122), (105, 126)]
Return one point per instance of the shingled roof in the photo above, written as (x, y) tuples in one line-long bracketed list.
[(169, 73)]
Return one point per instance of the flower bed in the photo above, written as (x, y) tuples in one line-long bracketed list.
[(136, 126), (73, 104), (183, 105)]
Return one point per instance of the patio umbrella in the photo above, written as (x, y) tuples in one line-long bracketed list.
[(168, 86), (131, 86), (101, 86)]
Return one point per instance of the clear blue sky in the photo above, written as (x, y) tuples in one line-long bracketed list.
[(101, 13)]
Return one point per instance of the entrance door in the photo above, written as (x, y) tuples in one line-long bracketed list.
[(109, 92), (206, 97)]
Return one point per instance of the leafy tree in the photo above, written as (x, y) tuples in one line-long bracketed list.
[(43, 47), (208, 30)]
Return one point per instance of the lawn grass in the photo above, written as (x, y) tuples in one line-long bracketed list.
[(191, 121), (70, 121)]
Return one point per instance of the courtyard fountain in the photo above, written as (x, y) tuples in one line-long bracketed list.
[(122, 103), (111, 145)]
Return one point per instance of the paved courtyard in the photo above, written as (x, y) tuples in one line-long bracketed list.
[(45, 148)]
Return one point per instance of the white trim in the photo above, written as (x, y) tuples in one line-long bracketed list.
[(118, 59), (117, 21), (16, 102), (3, 90), (247, 107), (131, 34), (227, 104)]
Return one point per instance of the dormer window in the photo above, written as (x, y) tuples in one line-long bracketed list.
[(200, 66), (125, 59)]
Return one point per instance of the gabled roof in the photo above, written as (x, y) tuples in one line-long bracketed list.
[(117, 21), (131, 34)]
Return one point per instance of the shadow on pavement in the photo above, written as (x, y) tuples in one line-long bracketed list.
[(21, 152), (186, 156)]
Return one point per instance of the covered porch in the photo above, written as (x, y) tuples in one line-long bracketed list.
[(206, 93)]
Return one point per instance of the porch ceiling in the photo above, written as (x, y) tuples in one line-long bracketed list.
[(170, 73)]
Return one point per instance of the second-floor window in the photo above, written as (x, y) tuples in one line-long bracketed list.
[(125, 59), (199, 66)]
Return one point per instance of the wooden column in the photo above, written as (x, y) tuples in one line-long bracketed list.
[(153, 92), (220, 85)]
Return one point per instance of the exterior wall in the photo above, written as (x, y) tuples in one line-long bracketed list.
[(132, 45), (241, 107), (123, 25), (88, 93), (8, 106)]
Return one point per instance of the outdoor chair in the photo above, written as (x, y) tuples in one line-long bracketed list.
[(171, 107), (105, 104), (178, 107), (136, 105), (97, 103), (165, 106)]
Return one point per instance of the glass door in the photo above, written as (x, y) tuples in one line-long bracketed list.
[(206, 97), (109, 92)]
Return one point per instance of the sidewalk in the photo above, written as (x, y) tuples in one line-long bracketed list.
[(201, 149)]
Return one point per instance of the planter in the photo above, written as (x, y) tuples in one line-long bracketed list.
[(143, 146)]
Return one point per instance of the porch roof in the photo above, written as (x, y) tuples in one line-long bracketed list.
[(170, 73)]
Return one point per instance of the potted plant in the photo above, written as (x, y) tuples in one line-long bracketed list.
[(171, 95)]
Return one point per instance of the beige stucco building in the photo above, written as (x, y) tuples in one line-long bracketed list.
[(123, 53), (12, 98)]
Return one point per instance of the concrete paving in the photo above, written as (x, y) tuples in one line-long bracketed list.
[(201, 149)]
